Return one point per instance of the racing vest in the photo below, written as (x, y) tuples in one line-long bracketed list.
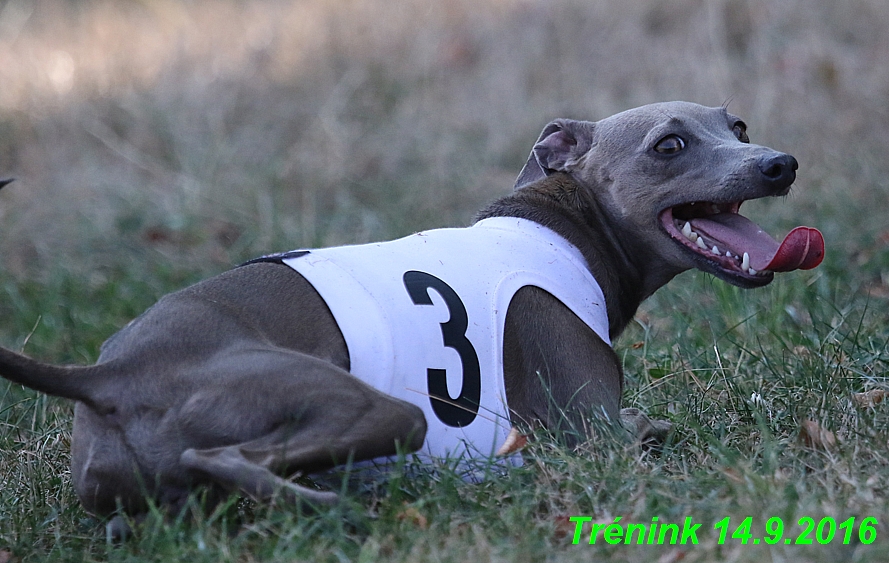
[(423, 317)]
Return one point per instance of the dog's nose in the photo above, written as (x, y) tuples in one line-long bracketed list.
[(779, 171)]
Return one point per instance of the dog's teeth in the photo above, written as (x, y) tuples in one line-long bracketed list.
[(714, 208), (728, 254), (751, 271), (715, 250), (701, 244), (745, 262), (686, 230)]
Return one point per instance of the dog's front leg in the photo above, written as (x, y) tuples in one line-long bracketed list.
[(557, 371), (643, 429)]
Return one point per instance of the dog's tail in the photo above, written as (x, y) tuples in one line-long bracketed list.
[(79, 383)]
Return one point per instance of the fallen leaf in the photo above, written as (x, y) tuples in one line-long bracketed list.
[(814, 436), (802, 351), (564, 528), (877, 289), (409, 514), (869, 398), (514, 442), (733, 475)]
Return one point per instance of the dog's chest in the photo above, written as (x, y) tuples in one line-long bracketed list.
[(423, 317)]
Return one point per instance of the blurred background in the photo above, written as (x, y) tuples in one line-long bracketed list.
[(166, 140)]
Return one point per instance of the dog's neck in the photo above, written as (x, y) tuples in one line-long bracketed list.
[(557, 202)]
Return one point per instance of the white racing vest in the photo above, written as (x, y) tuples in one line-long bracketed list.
[(423, 318)]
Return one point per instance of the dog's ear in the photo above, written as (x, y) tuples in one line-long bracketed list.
[(558, 149)]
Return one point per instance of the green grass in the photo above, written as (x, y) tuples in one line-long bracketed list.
[(698, 352), (158, 143)]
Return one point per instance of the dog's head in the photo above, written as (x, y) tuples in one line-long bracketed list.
[(672, 177)]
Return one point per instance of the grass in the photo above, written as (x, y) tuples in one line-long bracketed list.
[(159, 142), (799, 346)]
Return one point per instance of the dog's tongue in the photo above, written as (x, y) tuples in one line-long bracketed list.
[(802, 248)]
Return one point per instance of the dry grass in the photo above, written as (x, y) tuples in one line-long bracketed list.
[(314, 121), (158, 141)]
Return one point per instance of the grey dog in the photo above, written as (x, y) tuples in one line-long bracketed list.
[(245, 378)]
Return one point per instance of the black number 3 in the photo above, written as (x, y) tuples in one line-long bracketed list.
[(459, 411)]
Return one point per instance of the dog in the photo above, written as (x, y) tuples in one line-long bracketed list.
[(255, 374)]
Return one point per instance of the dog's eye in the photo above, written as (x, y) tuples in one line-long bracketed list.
[(740, 131), (671, 144)]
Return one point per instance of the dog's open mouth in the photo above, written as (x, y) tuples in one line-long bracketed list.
[(736, 245)]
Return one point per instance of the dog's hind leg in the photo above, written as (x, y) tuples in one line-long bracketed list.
[(229, 467), (318, 438)]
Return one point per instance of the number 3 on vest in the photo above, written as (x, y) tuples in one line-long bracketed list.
[(460, 410)]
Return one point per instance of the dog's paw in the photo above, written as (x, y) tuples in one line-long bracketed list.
[(118, 529), (643, 429)]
